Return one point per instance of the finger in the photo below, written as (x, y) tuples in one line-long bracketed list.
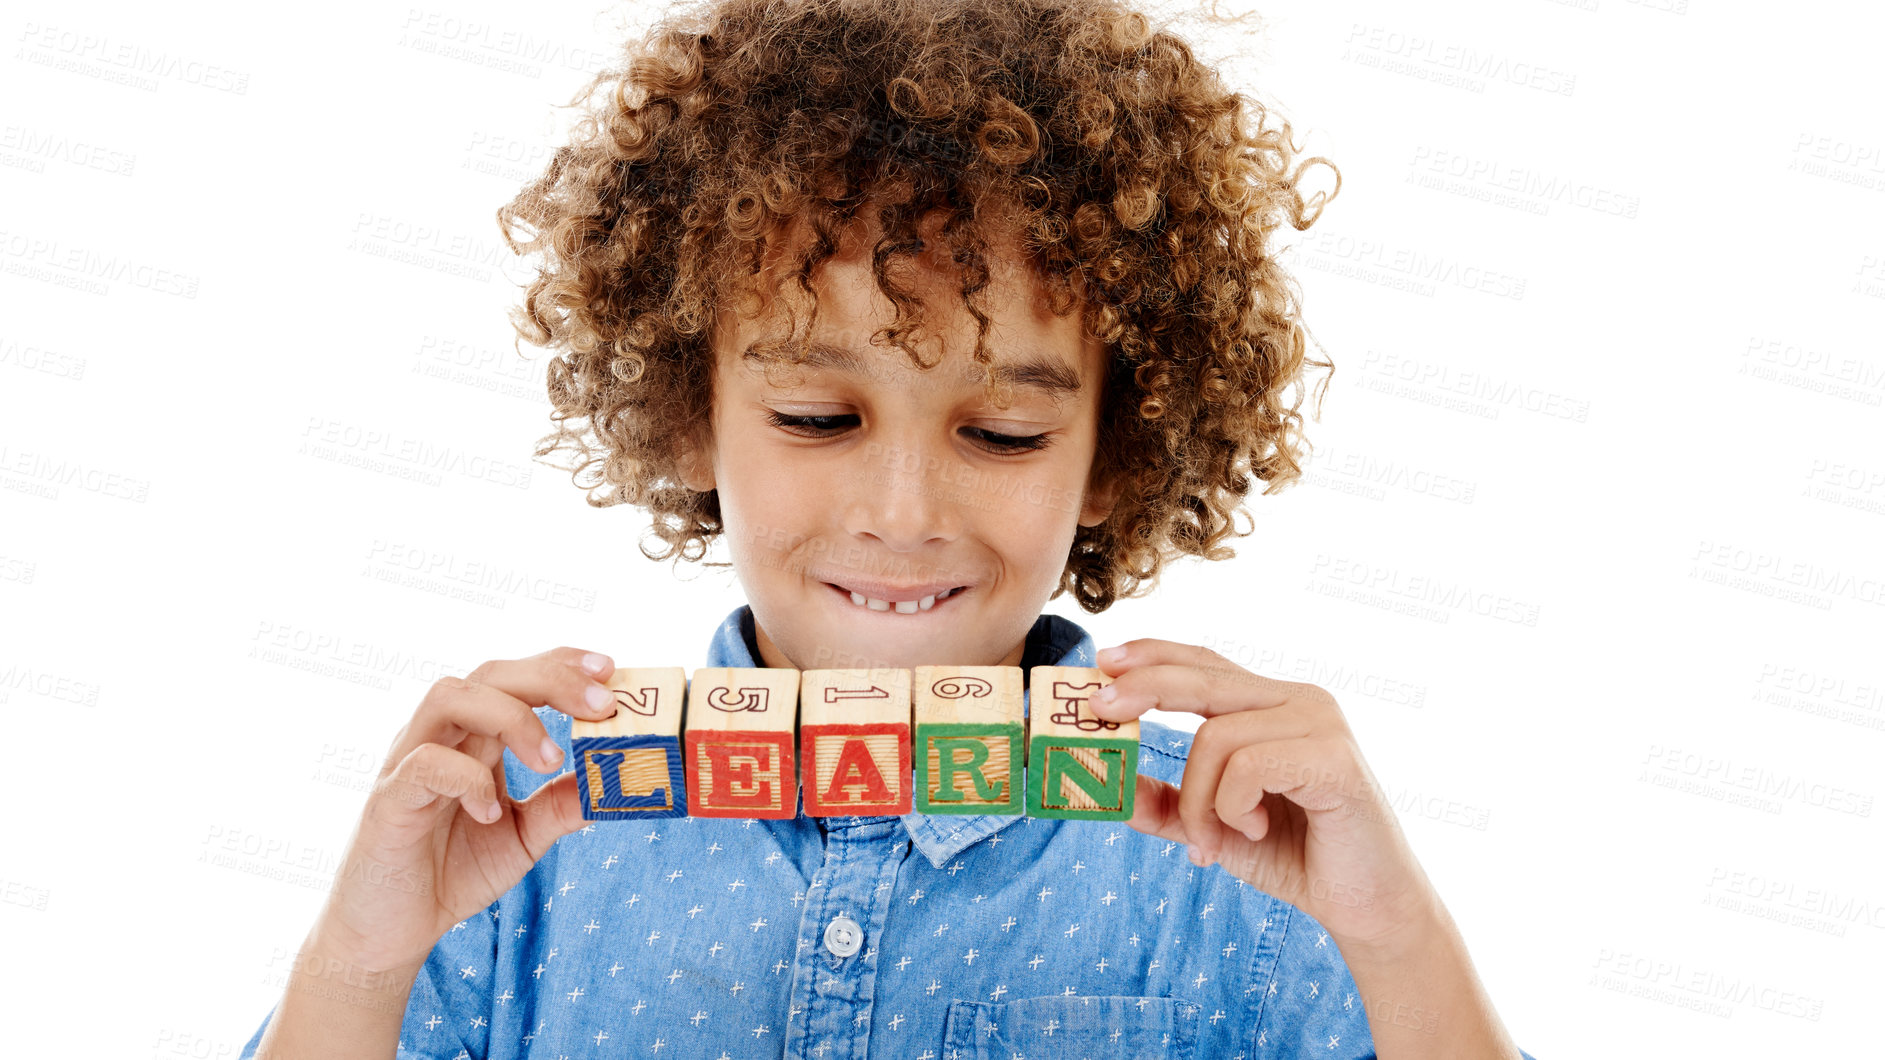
[(481, 721), (1219, 743), (496, 700), (1314, 772), (431, 775), (1157, 674), (1197, 792), (550, 813), (1239, 802), (569, 679), (1254, 822), (1155, 810)]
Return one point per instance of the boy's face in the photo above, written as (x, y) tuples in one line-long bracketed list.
[(896, 483)]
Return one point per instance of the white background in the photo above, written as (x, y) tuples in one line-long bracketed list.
[(1651, 807)]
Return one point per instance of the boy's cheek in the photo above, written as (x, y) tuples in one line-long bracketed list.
[(771, 538)]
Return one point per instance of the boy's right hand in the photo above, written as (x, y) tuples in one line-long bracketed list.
[(431, 848)]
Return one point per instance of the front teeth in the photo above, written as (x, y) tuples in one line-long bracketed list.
[(904, 607)]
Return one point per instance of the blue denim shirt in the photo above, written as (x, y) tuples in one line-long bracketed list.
[(981, 937)]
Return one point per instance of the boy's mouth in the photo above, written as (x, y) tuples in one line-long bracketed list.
[(910, 605)]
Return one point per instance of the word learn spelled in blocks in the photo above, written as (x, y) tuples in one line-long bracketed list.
[(936, 739)]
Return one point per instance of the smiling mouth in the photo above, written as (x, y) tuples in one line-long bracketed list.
[(901, 607)]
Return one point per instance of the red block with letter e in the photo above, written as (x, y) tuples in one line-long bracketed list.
[(854, 733), (739, 742)]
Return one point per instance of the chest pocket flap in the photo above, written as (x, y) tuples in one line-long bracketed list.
[(1096, 1028)]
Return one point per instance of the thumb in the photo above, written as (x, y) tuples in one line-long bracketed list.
[(1155, 810), (550, 813)]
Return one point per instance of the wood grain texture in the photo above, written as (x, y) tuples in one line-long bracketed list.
[(629, 765), (738, 738), (1079, 766), (854, 741), (968, 739), (737, 741)]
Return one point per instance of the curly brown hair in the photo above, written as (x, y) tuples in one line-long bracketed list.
[(1121, 157)]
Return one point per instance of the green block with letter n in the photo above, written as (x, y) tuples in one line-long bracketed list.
[(1088, 778), (967, 768)]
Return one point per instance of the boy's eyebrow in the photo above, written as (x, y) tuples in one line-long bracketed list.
[(1050, 375)]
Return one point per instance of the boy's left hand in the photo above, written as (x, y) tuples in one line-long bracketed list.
[(1275, 790)]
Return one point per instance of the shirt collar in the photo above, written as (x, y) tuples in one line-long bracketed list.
[(1052, 641)]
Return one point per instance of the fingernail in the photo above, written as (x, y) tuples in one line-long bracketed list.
[(596, 696), (1105, 695), (1112, 655), (550, 751), (595, 664), (1196, 856)]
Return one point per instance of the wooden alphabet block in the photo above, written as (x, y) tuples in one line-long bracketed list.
[(969, 739), (739, 742), (629, 766), (854, 740), (1079, 766)]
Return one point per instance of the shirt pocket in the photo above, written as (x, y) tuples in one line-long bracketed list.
[(1092, 1028)]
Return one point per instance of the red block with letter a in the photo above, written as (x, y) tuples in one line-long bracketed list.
[(854, 741), (856, 769)]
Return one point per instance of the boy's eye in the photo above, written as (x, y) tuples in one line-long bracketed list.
[(798, 423), (824, 426), (1012, 442)]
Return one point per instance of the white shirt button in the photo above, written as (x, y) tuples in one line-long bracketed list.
[(843, 936)]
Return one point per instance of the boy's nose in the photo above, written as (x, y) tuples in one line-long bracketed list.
[(905, 498)]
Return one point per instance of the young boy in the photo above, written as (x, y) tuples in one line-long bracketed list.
[(895, 495)]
